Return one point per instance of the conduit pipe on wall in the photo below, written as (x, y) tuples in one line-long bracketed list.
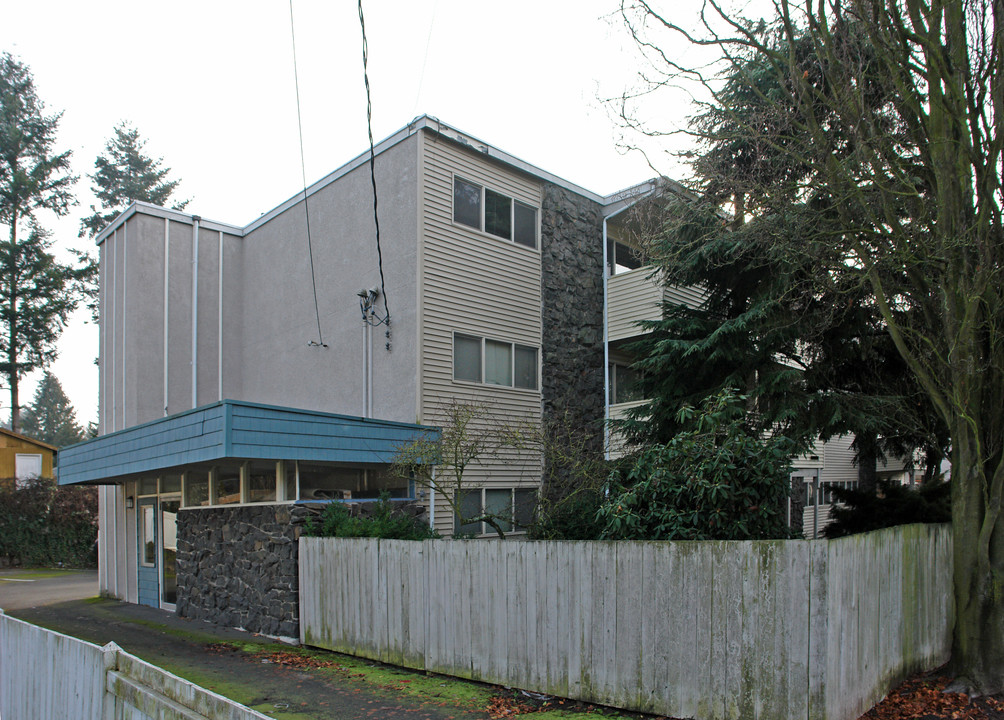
[(195, 310)]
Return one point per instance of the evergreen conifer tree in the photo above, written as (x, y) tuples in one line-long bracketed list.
[(50, 417), (124, 174), (36, 292)]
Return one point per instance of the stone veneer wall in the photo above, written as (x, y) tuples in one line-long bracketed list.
[(237, 566), (572, 297)]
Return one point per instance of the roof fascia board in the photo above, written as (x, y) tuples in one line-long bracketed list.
[(610, 203), (144, 208), (482, 148)]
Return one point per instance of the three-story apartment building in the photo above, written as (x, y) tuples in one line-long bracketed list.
[(238, 378)]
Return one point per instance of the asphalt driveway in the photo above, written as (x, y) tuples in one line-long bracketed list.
[(20, 589)]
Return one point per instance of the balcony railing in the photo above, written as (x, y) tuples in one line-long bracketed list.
[(635, 295)]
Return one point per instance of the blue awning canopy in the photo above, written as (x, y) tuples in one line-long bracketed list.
[(234, 430)]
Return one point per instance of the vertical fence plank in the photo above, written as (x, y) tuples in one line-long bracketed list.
[(780, 629)]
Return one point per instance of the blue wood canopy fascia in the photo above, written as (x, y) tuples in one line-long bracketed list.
[(237, 430)]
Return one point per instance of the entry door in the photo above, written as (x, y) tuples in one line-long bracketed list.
[(149, 552), (168, 518)]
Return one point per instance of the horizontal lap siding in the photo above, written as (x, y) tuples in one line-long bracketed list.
[(192, 437), (476, 284), (634, 296)]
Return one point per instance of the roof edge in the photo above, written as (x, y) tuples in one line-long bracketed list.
[(145, 208), (422, 122)]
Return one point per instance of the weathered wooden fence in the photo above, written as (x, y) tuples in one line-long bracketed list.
[(44, 674), (815, 630)]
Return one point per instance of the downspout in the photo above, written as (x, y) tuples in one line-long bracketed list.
[(606, 326), (167, 307), (432, 501), (114, 311), (219, 325), (195, 310), (125, 307), (606, 346)]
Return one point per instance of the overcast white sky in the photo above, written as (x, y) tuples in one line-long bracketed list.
[(210, 85)]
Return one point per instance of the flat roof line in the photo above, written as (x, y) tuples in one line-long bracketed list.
[(422, 122)]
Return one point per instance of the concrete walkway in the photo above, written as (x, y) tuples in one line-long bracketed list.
[(281, 681)]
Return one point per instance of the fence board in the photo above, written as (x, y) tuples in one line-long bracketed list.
[(776, 629), (44, 674)]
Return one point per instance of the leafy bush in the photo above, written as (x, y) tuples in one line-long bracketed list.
[(718, 481), (42, 524), (891, 504), (573, 517), (380, 519)]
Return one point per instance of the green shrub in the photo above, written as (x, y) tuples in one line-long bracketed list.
[(42, 524), (891, 504), (718, 481), (573, 517), (380, 519)]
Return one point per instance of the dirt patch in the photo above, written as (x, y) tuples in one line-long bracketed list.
[(923, 697)]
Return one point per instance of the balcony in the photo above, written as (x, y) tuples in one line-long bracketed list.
[(617, 446), (633, 296)]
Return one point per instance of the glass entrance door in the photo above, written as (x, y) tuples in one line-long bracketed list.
[(149, 568), (169, 550)]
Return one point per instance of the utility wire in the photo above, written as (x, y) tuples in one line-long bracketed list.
[(303, 173), (369, 130)]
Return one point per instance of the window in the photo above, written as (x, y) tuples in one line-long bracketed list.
[(27, 466), (512, 509), (466, 358), (339, 482), (196, 488), (621, 257), (170, 484), (494, 362), (227, 485), (624, 384), (261, 482), (496, 214), (498, 363), (147, 535)]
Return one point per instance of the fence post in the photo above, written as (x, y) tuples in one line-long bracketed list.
[(110, 656)]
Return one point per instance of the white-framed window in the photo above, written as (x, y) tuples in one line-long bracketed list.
[(495, 213), (511, 508), (196, 488), (26, 467), (494, 362), (624, 384)]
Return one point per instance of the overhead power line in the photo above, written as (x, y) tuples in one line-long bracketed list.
[(303, 173)]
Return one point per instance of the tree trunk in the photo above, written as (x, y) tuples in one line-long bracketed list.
[(15, 408), (978, 641), (12, 349), (867, 459)]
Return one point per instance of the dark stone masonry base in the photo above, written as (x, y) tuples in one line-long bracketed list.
[(238, 567)]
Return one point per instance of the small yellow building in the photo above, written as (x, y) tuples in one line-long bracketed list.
[(22, 457)]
